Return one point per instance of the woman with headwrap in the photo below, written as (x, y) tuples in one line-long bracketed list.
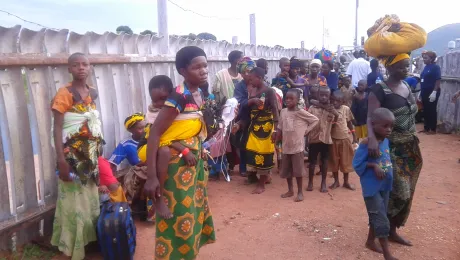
[(430, 81), (245, 65), (184, 190), (395, 95)]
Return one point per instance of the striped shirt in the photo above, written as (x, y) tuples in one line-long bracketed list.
[(126, 149)]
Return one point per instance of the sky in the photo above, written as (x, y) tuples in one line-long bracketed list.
[(285, 23)]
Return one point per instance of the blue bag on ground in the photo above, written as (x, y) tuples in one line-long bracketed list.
[(116, 231)]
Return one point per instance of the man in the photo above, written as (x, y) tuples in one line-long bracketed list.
[(226, 79), (359, 68)]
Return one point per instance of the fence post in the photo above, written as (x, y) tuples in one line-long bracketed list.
[(163, 26)]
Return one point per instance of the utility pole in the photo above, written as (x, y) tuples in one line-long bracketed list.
[(302, 45), (323, 32), (252, 29), (356, 26), (163, 26)]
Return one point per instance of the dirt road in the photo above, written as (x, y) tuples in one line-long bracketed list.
[(331, 226)]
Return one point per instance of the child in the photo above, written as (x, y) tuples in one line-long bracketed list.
[(376, 177), (341, 151), (159, 88), (375, 76), (108, 183), (127, 149), (359, 110), (78, 145), (320, 138), (264, 118), (347, 90), (294, 124)]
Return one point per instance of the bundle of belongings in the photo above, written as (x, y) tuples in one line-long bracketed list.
[(389, 37)]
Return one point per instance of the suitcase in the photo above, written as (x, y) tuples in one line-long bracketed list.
[(116, 231)]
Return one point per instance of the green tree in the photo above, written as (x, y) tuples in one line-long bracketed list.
[(124, 29), (206, 36), (147, 32)]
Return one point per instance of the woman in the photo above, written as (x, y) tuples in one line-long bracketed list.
[(430, 91), (184, 189), (263, 114), (245, 65), (395, 95), (77, 139), (332, 77), (314, 78)]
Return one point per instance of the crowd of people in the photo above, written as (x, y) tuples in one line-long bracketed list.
[(316, 110)]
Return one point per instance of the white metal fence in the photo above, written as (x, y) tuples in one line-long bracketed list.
[(33, 66)]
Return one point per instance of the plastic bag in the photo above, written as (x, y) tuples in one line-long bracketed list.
[(390, 37)]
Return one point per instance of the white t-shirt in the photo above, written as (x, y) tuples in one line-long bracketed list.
[(358, 69)]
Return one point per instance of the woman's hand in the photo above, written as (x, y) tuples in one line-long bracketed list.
[(373, 147), (103, 189), (64, 171), (204, 154), (190, 159), (152, 188), (235, 128)]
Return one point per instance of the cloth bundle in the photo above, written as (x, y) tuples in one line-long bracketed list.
[(390, 37)]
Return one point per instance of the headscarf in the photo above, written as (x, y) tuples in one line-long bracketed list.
[(430, 54), (390, 60), (245, 64), (131, 120), (324, 55), (316, 61)]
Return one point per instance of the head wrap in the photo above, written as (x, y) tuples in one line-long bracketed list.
[(185, 55), (131, 120), (316, 61), (390, 60), (245, 64), (324, 55)]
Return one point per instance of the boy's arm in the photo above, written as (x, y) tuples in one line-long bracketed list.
[(177, 146), (293, 84), (350, 120), (360, 160)]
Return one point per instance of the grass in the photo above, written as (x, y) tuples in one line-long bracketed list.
[(30, 252)]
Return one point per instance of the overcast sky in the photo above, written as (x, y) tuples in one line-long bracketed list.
[(285, 22)]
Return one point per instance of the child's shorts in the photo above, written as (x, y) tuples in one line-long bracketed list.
[(377, 207), (341, 156), (293, 166), (361, 131), (316, 149)]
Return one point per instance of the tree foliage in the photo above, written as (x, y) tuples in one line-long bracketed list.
[(206, 36), (147, 32), (124, 29), (279, 46)]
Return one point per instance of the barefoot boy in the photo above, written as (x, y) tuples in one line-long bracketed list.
[(293, 125), (376, 177), (341, 151), (320, 137)]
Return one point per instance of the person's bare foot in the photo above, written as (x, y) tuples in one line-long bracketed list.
[(299, 197), (269, 180), (374, 247), (258, 190), (349, 186), (323, 187), (394, 237), (310, 187), (334, 185), (287, 194), (162, 209)]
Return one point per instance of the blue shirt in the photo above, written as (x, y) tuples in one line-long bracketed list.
[(125, 150), (412, 82), (373, 77), (430, 74), (332, 80), (369, 182), (241, 95)]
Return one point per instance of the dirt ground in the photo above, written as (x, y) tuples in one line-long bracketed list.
[(334, 225)]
